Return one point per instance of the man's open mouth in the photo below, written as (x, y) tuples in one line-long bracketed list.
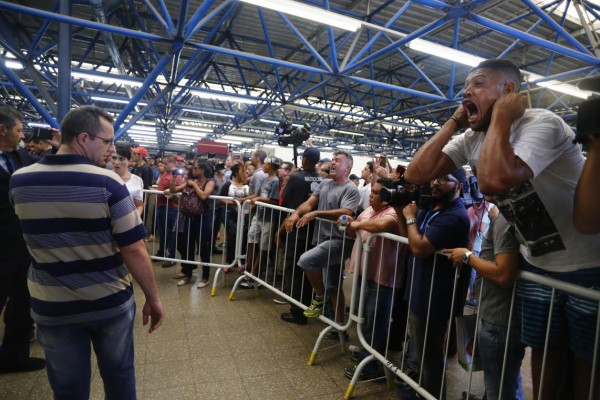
[(471, 109)]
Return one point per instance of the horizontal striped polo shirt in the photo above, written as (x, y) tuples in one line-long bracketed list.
[(75, 216)]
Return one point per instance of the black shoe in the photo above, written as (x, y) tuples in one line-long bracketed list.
[(294, 319), (30, 364), (168, 264), (364, 375)]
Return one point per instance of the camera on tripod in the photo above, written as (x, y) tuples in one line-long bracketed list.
[(289, 134)]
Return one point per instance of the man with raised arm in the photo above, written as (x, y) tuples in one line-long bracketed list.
[(527, 158)]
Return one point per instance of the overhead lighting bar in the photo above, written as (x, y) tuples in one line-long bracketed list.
[(113, 100), (269, 121), (13, 64), (191, 133), (106, 79), (181, 142), (310, 13), (444, 52), (228, 141), (224, 97), (181, 136), (194, 128), (208, 113), (558, 86), (237, 138), (346, 132), (143, 133)]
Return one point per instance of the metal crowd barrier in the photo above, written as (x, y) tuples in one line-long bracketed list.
[(167, 229), (395, 363), (289, 247)]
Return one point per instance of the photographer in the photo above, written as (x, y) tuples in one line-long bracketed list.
[(528, 159), (445, 224)]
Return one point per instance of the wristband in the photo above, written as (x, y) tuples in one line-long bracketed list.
[(456, 121)]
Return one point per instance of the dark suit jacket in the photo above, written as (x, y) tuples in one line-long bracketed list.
[(12, 244)]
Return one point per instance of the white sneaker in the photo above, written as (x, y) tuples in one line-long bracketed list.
[(202, 284)]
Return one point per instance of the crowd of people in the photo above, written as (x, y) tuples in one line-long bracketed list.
[(62, 210)]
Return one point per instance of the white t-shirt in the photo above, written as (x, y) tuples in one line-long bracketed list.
[(541, 209), (135, 185), (365, 194)]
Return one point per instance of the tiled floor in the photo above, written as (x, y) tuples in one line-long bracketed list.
[(213, 348)]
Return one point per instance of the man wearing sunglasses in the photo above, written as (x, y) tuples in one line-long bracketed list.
[(86, 241)]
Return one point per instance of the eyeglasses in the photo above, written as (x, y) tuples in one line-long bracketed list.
[(107, 142), (444, 179)]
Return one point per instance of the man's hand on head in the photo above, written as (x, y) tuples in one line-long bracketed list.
[(510, 106)]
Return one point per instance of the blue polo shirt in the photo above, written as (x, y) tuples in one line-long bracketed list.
[(446, 228)]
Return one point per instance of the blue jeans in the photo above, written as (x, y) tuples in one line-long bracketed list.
[(165, 220), (68, 352), (491, 344)]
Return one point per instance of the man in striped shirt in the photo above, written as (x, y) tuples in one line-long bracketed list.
[(86, 240)]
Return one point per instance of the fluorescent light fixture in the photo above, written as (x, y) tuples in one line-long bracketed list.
[(181, 142), (194, 128), (38, 125), (269, 121), (227, 141), (198, 132), (224, 97), (113, 100), (106, 79), (445, 52), (140, 132), (208, 112), (309, 12), (13, 64), (346, 132), (345, 146), (142, 128), (558, 86), (237, 138), (188, 136)]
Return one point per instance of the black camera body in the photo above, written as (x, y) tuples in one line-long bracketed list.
[(41, 134), (421, 194), (288, 134), (470, 194), (404, 194)]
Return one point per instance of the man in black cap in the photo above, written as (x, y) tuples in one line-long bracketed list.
[(298, 189), (443, 225)]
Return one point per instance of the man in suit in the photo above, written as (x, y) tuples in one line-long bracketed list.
[(14, 295)]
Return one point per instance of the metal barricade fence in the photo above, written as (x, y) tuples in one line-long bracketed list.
[(407, 365), (261, 260), (194, 238)]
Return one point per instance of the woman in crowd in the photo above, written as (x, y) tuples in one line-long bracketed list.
[(135, 185), (195, 230), (236, 187)]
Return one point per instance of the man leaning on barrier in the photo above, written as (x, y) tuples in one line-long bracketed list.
[(527, 158), (443, 224), (86, 240), (334, 197), (497, 266)]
